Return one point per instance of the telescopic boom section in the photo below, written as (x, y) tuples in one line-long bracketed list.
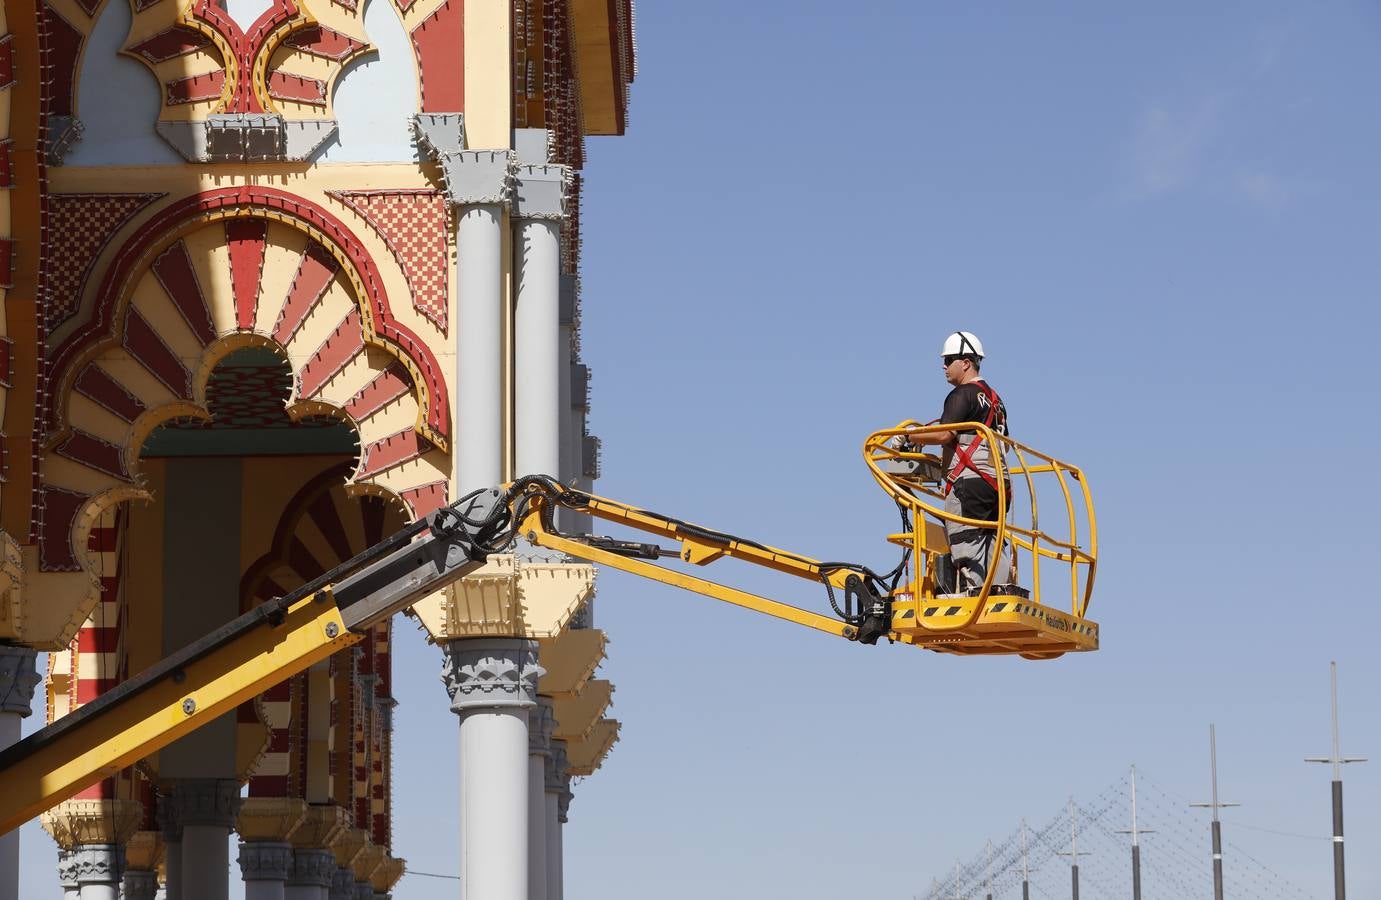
[(284, 636)]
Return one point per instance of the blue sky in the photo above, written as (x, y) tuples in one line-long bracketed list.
[(1163, 224)]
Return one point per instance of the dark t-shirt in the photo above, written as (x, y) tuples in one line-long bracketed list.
[(970, 403)]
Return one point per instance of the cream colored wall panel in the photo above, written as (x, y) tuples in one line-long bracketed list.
[(91, 417), (335, 303), (154, 304), (135, 378), (61, 472), (211, 261), (488, 63), (282, 254)]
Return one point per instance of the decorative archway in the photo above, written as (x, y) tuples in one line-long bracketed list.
[(206, 277)]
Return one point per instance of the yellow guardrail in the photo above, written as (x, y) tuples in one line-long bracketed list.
[(915, 480)]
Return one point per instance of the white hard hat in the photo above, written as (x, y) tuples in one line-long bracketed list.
[(963, 343)]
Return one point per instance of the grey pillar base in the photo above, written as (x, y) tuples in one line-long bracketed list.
[(140, 885), (363, 891)]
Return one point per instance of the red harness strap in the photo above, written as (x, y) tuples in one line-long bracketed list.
[(964, 455)]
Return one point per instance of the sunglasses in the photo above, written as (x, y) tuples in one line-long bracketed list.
[(951, 360)]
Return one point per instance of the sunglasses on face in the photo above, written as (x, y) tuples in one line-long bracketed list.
[(951, 360)]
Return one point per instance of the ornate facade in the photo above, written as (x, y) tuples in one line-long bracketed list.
[(279, 276)]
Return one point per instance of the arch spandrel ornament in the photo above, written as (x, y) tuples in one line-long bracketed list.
[(207, 277)]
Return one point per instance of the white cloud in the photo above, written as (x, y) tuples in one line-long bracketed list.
[(1168, 145)]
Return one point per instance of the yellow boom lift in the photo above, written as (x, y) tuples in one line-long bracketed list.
[(912, 604)]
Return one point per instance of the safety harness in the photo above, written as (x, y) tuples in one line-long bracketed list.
[(963, 456)]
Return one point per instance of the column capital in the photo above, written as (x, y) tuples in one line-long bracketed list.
[(269, 819), (491, 672), (18, 678), (387, 874), (540, 724), (540, 191), (563, 799), (363, 891), (140, 884), (556, 768), (342, 884), (144, 851), (312, 866), (471, 177), (265, 860), (97, 863), (67, 869), (206, 801)]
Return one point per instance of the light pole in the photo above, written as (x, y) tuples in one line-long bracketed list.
[(1337, 760), (1217, 826)]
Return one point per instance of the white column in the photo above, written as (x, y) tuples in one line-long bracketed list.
[(554, 786), (98, 870), (206, 809), (538, 207), (537, 350), (168, 820), (18, 678), (492, 683), (539, 753), (265, 865), (478, 428)]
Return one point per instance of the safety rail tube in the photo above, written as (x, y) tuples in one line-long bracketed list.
[(878, 447), (925, 498)]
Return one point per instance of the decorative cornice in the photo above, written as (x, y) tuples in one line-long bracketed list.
[(348, 845), (144, 851), (270, 819), (206, 801), (387, 874), (266, 860), (321, 824), (439, 133), (96, 822), (491, 672), (312, 866), (369, 859), (18, 678)]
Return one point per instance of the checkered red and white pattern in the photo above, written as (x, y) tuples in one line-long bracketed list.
[(81, 225), (414, 224)]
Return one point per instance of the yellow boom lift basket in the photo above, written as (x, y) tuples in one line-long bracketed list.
[(1059, 554)]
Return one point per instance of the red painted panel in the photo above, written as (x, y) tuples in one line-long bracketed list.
[(196, 88), (6, 262), (63, 45), (332, 355), (103, 540), (425, 499), (94, 639), (6, 362), (59, 509), (319, 40), (297, 88), (439, 43), (387, 452), (173, 269), (145, 345), (327, 520), (268, 786), (314, 274), (6, 167), (387, 386), (6, 61), (176, 41), (94, 383), (372, 517), (246, 238), (301, 561), (91, 451)]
